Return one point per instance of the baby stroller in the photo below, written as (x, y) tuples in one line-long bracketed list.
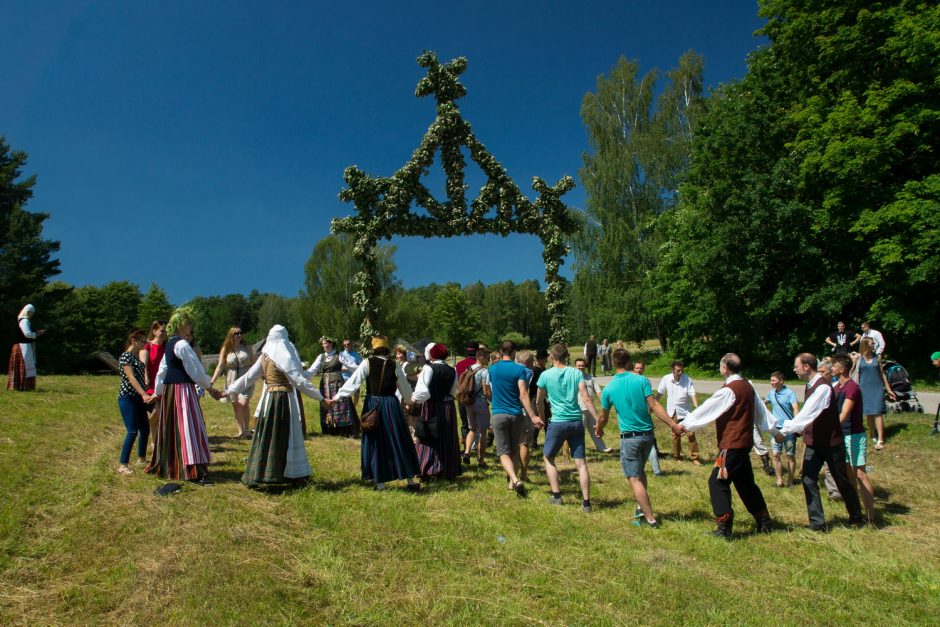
[(905, 397)]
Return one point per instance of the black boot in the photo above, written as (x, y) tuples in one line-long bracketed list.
[(724, 524), (765, 460), (764, 523)]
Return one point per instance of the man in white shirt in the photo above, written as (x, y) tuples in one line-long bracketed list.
[(680, 399), (737, 411), (818, 421), (877, 339)]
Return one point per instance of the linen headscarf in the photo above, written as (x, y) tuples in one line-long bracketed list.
[(26, 312), (427, 351), (283, 353)]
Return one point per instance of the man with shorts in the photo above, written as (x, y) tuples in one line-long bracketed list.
[(463, 364), (478, 409), (564, 385), (849, 404), (632, 396), (510, 396), (783, 406)]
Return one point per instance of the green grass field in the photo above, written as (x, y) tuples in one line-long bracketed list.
[(83, 544)]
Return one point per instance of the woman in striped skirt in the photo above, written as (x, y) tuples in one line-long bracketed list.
[(438, 447), (388, 452), (181, 447)]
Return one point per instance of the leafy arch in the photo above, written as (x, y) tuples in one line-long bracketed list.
[(383, 204)]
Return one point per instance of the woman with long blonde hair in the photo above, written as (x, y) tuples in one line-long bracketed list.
[(235, 358)]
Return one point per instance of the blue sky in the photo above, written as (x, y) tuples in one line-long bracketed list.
[(201, 145)]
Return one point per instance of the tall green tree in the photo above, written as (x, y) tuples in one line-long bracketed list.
[(325, 306), (639, 153), (453, 320), (154, 306), (813, 193), (26, 259)]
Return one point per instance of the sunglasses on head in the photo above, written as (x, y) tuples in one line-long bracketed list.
[(238, 333)]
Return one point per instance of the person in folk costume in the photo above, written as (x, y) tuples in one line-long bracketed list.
[(736, 409), (438, 454), (181, 447), (277, 452), (337, 418), (22, 369), (388, 452)]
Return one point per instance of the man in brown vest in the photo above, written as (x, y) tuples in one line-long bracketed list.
[(736, 409), (818, 421)]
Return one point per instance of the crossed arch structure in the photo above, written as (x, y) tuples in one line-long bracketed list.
[(383, 204)]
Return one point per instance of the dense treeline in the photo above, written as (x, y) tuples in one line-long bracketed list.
[(810, 192)]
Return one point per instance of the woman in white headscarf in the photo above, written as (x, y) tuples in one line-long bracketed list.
[(277, 449), (22, 371)]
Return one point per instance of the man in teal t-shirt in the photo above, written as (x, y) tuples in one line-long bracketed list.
[(563, 385), (632, 396)]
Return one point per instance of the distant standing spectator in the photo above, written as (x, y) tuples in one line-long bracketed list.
[(874, 384), (462, 365), (632, 396), (680, 399), (639, 368), (603, 353), (588, 416), (22, 370), (590, 354), (131, 399), (566, 390), (841, 340), (935, 360), (877, 339), (350, 356)]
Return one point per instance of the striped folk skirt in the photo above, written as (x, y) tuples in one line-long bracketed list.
[(268, 457), (341, 419), (440, 457), (17, 379), (388, 452), (181, 447)]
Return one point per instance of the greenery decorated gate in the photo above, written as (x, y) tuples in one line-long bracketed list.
[(383, 204)]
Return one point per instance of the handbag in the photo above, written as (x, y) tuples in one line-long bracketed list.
[(369, 420), (428, 430)]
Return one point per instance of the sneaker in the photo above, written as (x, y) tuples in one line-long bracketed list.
[(466, 458), (586, 509), (817, 528), (554, 500), (519, 487), (124, 470), (638, 513), (879, 445), (642, 522), (696, 462)]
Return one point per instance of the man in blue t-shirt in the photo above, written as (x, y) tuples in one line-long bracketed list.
[(632, 396), (510, 390), (784, 407), (563, 385)]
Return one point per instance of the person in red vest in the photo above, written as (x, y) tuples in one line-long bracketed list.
[(818, 421), (735, 409)]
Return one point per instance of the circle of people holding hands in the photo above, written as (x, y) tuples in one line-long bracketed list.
[(429, 428)]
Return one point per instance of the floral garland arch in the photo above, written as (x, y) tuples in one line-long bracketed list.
[(383, 204)]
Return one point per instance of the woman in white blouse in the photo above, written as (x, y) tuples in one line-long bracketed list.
[(181, 447), (438, 447)]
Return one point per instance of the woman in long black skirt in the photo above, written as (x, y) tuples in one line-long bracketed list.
[(388, 452)]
